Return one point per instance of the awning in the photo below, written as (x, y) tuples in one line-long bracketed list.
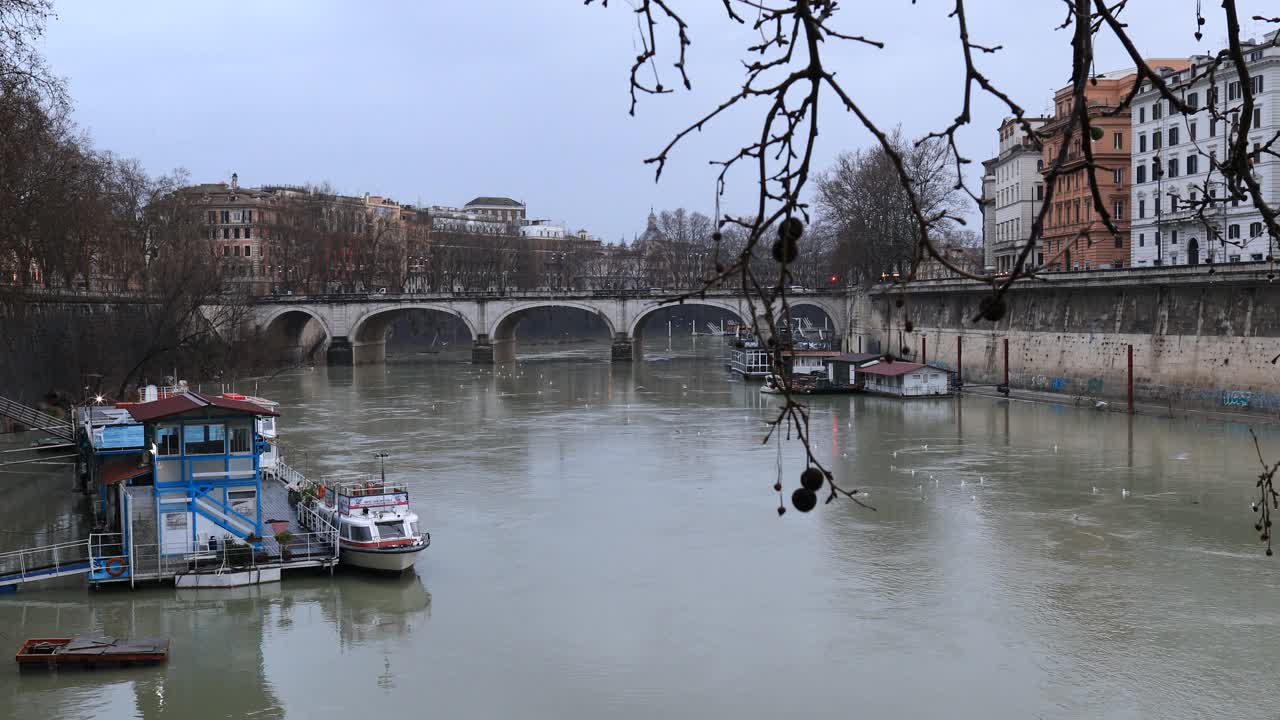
[(118, 471)]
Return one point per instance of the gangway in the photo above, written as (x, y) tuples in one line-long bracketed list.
[(37, 420), (45, 563)]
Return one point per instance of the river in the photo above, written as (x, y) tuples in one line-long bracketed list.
[(606, 544)]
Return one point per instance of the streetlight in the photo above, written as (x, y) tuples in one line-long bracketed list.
[(382, 459)]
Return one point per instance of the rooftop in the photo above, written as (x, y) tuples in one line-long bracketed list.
[(489, 201), (186, 402), (893, 369)]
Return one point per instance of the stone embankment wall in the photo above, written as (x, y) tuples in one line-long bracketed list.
[(1200, 339)]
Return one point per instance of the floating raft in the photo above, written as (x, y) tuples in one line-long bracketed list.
[(88, 652)]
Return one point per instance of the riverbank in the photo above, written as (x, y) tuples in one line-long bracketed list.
[(1139, 408)]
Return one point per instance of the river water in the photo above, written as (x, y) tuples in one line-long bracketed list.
[(606, 544)]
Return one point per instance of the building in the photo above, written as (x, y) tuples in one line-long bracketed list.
[(502, 208), (902, 379), (1074, 236), (988, 214), (1173, 162), (968, 259), (234, 219), (1016, 191)]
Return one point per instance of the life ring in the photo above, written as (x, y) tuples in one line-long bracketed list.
[(116, 566)]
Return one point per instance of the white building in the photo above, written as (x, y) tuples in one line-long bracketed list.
[(1172, 166), (1014, 194), (541, 229)]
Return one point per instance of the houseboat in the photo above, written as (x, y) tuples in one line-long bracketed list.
[(376, 528), (902, 379), (820, 372)]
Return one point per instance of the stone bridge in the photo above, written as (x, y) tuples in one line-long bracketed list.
[(354, 327)]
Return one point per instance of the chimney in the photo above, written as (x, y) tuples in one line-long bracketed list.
[(235, 181)]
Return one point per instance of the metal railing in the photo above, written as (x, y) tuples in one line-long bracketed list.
[(37, 420), (361, 484), (45, 562), (157, 562)]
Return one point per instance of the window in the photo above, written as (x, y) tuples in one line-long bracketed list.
[(1193, 101), (235, 216), (226, 216), (1257, 117), (1142, 173), (1156, 238), (241, 440), (1117, 141), (1118, 210), (1142, 143), (1039, 192), (248, 216), (248, 233), (1142, 114), (1256, 80), (1233, 90), (1233, 232), (237, 253), (1173, 136), (1142, 209), (213, 217), (1191, 196), (1213, 127), (391, 530), (1142, 239), (246, 250), (204, 439), (226, 250), (1157, 110), (244, 502), (1155, 200), (1255, 230), (166, 440), (226, 234), (235, 233), (1191, 131), (1193, 164), (1173, 259), (1173, 237), (1119, 241), (1233, 258), (213, 233), (1255, 56), (1173, 167), (360, 533)]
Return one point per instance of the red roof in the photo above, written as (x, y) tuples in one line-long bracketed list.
[(186, 402), (894, 368), (812, 353), (117, 471)]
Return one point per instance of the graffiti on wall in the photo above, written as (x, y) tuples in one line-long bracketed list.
[(1236, 398)]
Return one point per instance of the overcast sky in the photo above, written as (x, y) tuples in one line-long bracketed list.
[(435, 102)]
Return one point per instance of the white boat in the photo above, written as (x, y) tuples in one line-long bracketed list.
[(771, 385), (376, 528)]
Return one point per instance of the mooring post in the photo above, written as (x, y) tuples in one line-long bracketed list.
[(1006, 362), (924, 349), (1130, 353), (959, 361)]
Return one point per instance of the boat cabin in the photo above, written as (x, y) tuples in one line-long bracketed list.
[(369, 511)]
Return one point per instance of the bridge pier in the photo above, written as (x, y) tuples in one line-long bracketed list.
[(369, 352), (482, 351), (340, 352), (624, 350)]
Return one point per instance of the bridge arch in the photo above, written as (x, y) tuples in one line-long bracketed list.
[(636, 329), (368, 334), (832, 313), (502, 332), (299, 330)]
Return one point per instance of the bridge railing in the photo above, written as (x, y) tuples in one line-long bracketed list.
[(655, 293)]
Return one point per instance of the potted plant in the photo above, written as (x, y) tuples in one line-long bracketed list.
[(284, 538)]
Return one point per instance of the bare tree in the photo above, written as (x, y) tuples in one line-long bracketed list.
[(787, 75)]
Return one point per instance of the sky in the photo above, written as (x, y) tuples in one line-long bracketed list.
[(435, 102)]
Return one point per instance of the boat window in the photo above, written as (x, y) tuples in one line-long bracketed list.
[(346, 530), (360, 533), (205, 439), (241, 440), (413, 528), (167, 440), (390, 530)]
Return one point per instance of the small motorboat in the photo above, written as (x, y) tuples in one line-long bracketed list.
[(90, 652), (771, 386), (376, 528)]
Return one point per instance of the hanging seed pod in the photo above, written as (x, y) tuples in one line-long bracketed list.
[(1096, 133), (804, 499), (992, 308), (716, 236), (790, 229), (908, 326), (785, 251), (899, 302), (811, 479)]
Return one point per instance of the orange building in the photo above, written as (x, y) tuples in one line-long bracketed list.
[(1074, 236)]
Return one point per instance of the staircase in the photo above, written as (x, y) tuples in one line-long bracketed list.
[(37, 420)]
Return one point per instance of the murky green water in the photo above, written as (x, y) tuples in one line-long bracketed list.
[(605, 544)]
